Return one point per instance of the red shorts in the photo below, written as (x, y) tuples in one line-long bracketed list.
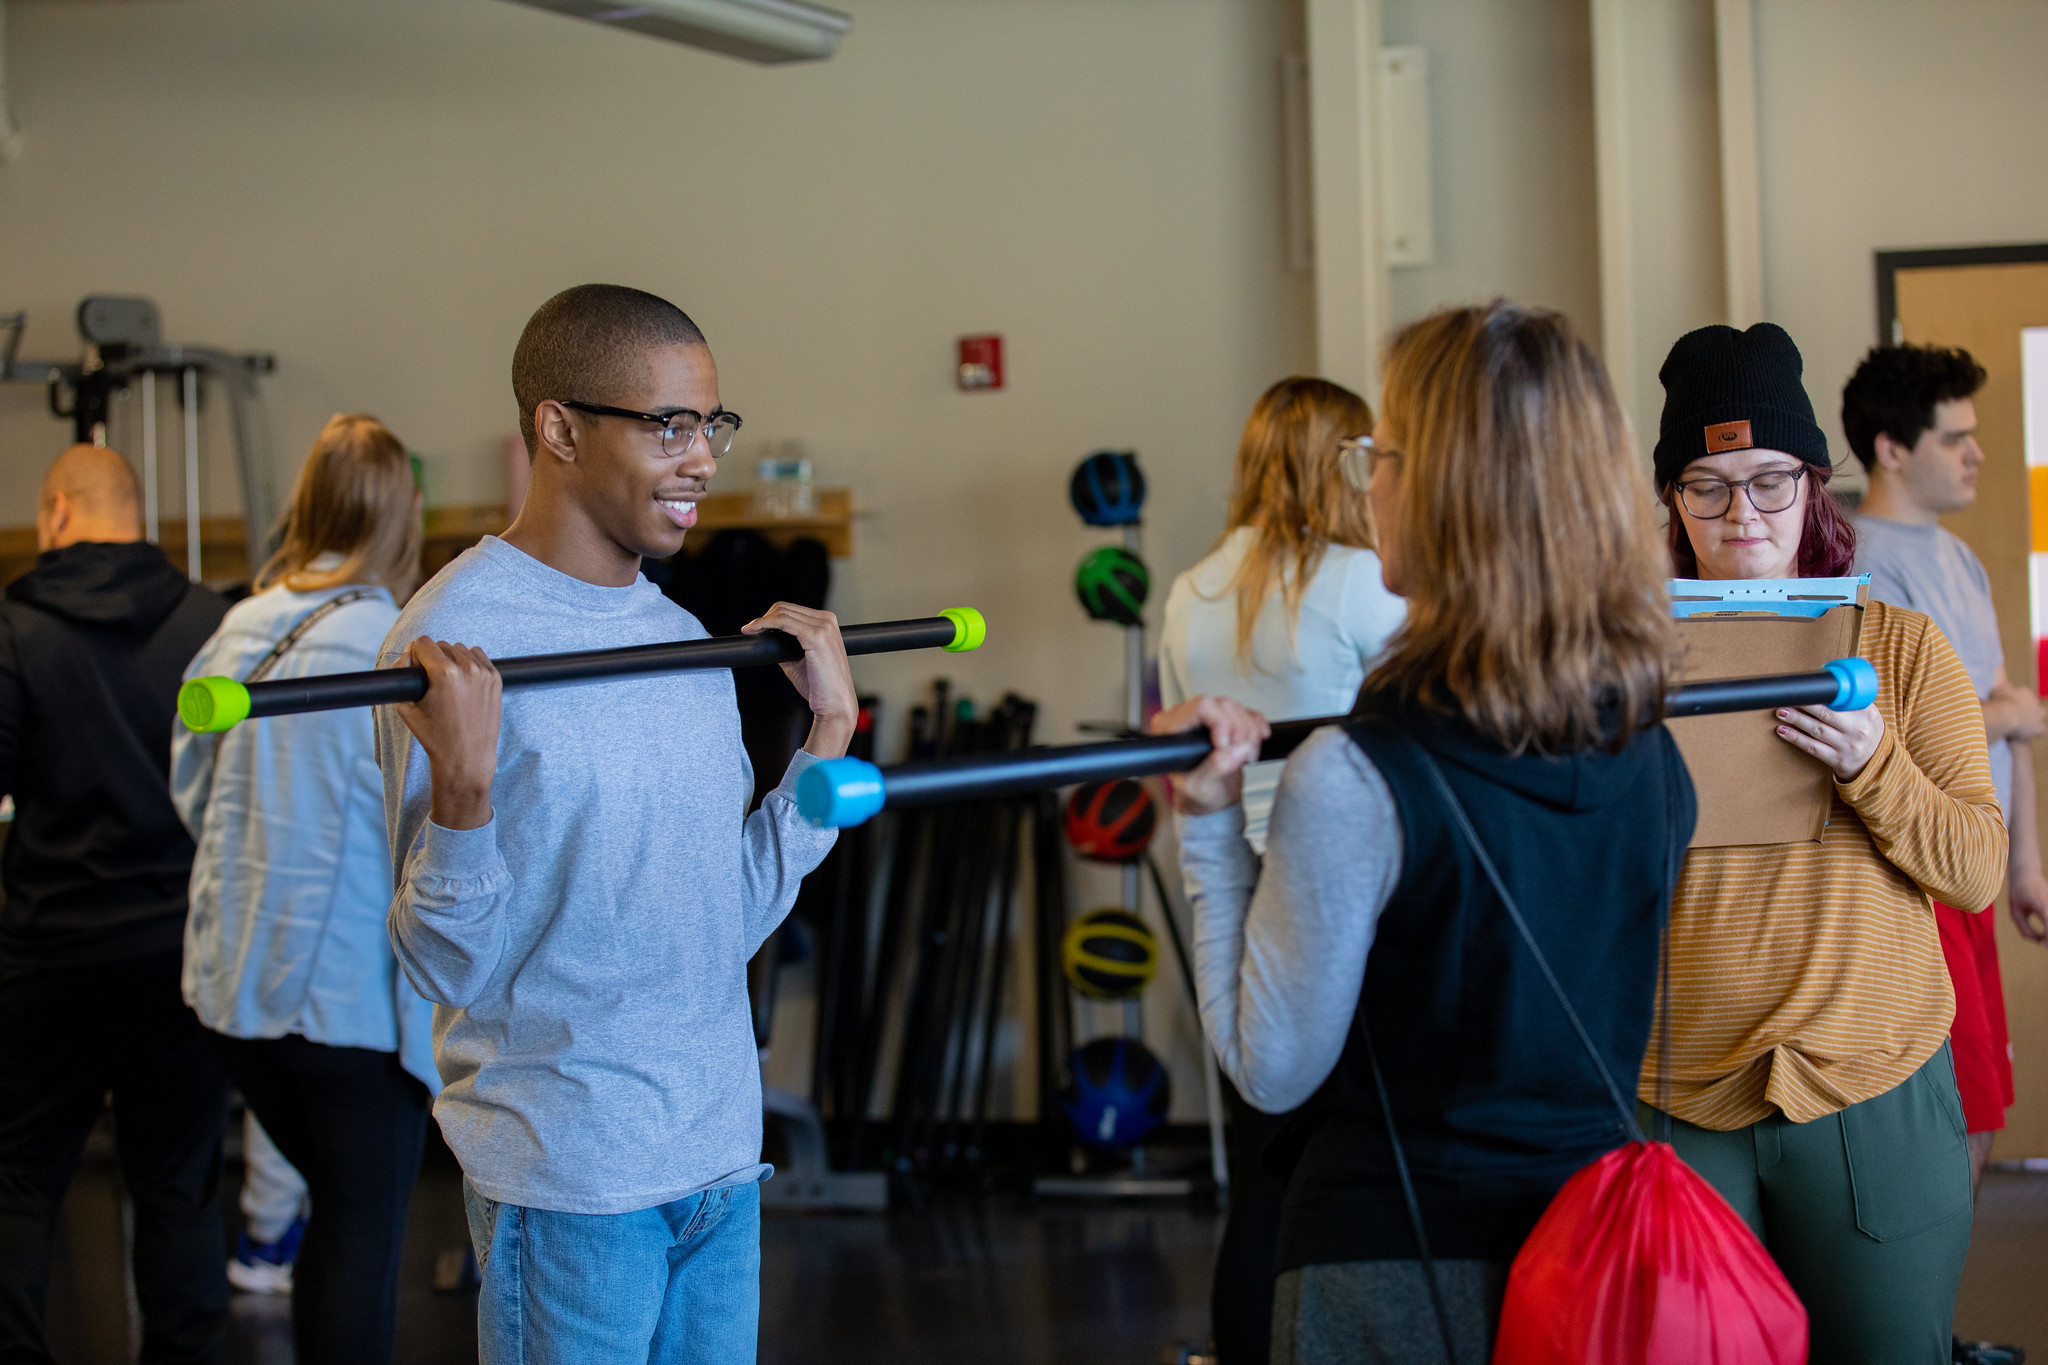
[(1982, 1049)]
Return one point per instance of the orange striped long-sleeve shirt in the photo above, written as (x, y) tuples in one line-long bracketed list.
[(1807, 977)]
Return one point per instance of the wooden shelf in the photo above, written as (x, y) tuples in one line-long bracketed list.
[(451, 530), (832, 524)]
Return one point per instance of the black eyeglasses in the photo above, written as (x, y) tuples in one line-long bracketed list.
[(678, 428), (1358, 457), (1774, 490)]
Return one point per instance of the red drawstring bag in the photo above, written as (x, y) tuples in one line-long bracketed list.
[(1639, 1261)]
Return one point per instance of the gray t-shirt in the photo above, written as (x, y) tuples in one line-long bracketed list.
[(1929, 570), (586, 951)]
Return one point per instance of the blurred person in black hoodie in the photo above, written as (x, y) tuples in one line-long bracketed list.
[(93, 641)]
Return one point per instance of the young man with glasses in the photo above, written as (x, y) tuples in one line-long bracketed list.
[(579, 885), (1909, 416)]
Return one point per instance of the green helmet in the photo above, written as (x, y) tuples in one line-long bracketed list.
[(1112, 584)]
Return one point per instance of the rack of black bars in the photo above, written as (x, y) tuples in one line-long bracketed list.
[(918, 936)]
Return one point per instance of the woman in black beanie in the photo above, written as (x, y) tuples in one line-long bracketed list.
[(1808, 1002)]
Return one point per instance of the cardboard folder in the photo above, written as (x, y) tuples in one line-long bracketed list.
[(1753, 787)]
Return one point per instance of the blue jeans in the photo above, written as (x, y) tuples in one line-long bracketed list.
[(680, 1282)]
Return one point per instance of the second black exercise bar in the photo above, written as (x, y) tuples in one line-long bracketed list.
[(843, 791)]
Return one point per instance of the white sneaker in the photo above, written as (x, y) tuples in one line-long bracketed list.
[(266, 1267), (259, 1277)]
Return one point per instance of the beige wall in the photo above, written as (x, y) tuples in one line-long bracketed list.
[(1511, 151), (380, 191), (1881, 124), (1889, 124), (1662, 260)]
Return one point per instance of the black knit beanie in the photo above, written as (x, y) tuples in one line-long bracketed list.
[(1729, 390)]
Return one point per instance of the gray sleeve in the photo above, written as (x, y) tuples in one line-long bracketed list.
[(1280, 951), (447, 919), (1887, 586), (1980, 578), (780, 848), (447, 924)]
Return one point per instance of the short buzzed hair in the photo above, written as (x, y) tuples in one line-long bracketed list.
[(584, 344), (1895, 390)]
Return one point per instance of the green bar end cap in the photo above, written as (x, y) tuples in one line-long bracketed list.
[(211, 705), (969, 629), (836, 792)]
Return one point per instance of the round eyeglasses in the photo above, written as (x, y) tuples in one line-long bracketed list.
[(678, 429), (1358, 457), (1774, 490)]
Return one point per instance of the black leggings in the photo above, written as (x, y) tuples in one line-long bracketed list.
[(1241, 1299), (352, 1121)]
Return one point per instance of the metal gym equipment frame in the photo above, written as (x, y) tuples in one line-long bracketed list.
[(124, 353)]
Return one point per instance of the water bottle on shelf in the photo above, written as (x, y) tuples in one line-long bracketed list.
[(783, 489)]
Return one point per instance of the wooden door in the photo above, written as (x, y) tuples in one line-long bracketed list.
[(1983, 308)]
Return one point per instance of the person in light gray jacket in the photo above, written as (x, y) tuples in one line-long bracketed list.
[(287, 959)]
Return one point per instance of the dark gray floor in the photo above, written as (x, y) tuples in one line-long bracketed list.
[(2005, 1282), (991, 1280), (986, 1280)]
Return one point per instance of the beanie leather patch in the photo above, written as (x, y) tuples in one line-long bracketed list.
[(1728, 436)]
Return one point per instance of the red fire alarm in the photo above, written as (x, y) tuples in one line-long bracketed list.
[(981, 363)]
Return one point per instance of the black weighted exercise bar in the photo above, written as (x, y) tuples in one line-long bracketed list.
[(211, 705), (846, 791)]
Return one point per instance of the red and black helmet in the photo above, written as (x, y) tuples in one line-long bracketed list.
[(1111, 822)]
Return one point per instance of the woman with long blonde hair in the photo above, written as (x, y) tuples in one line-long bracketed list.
[(1369, 971), (1287, 612), (287, 959)]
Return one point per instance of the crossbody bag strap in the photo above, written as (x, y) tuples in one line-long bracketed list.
[(298, 632), (1664, 955), (1429, 1271)]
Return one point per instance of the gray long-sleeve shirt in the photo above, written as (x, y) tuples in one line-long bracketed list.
[(1280, 950), (587, 950)]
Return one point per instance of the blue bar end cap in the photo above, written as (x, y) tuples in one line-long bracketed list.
[(835, 793), (1856, 684)]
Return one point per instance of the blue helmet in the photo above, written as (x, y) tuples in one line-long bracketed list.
[(1108, 489), (1118, 1092)]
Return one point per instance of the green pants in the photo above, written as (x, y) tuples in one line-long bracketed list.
[(1866, 1211)]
